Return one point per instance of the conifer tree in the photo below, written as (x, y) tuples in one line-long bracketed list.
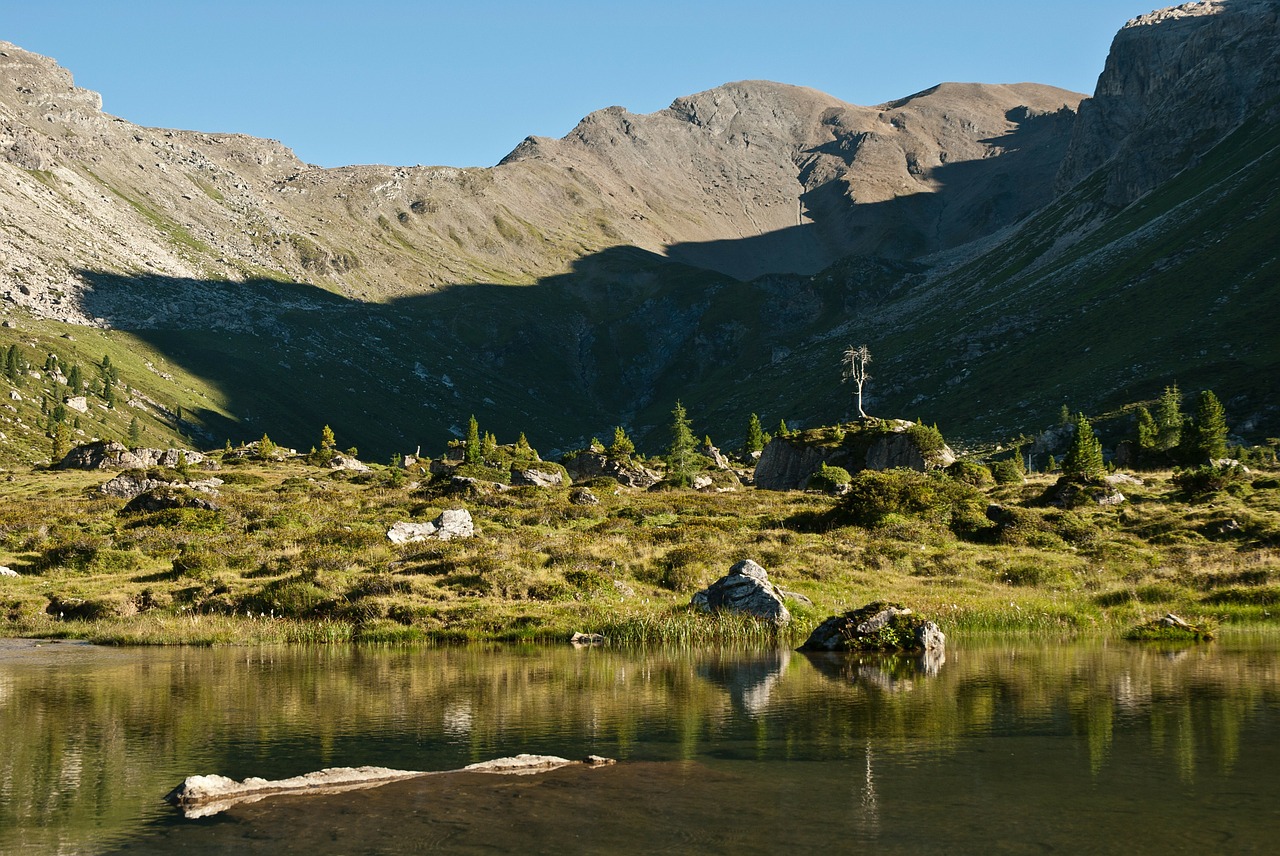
[(524, 451), (74, 383), (1209, 431), (1083, 461), (621, 449), (471, 453), (1169, 419), (782, 429), (328, 442), (135, 433), (489, 446), (266, 448), (682, 456), (1148, 431), (755, 436), (13, 365), (59, 445), (1064, 416)]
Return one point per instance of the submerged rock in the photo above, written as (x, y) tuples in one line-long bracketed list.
[(582, 640), (878, 626), (201, 796), (745, 589), (1169, 628)]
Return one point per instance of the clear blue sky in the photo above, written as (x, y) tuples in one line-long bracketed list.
[(462, 83)]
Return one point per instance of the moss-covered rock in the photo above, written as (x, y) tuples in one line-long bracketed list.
[(878, 626), (1169, 628)]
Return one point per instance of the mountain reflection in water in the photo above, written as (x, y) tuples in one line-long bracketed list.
[(1005, 746)]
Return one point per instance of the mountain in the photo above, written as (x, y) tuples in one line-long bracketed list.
[(1001, 253)]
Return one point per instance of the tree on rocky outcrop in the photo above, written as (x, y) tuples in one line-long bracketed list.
[(1083, 461), (266, 448), (621, 449), (524, 451), (855, 369), (1169, 420), (472, 453), (328, 442), (782, 429), (1208, 436), (755, 436), (683, 460)]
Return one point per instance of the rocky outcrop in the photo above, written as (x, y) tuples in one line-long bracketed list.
[(583, 496), (127, 485), (348, 463), (452, 523), (167, 498), (788, 463), (111, 455), (534, 477), (877, 626), (587, 465), (745, 589)]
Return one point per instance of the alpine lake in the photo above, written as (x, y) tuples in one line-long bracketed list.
[(1003, 746)]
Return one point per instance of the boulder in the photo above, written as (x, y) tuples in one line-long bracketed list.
[(583, 640), (745, 589), (452, 523), (6, 571), (1069, 494), (347, 462), (129, 484), (78, 403), (110, 455), (877, 626), (165, 498), (1169, 628), (583, 496), (534, 477), (587, 465)]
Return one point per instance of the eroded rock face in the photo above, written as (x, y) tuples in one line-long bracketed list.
[(745, 589), (787, 463), (110, 455), (452, 523), (877, 626)]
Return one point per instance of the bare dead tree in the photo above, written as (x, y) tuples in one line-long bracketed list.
[(855, 369)]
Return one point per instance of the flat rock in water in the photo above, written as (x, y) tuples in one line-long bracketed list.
[(745, 589)]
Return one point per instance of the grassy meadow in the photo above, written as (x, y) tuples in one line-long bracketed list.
[(299, 553)]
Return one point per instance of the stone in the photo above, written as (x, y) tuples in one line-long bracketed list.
[(14, 395), (348, 463), (581, 640), (745, 589), (534, 477), (110, 455), (129, 484), (165, 498), (452, 523), (1068, 494), (878, 626), (701, 482), (583, 496), (6, 571), (78, 403), (587, 465)]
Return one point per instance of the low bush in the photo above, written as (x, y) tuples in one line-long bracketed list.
[(829, 479)]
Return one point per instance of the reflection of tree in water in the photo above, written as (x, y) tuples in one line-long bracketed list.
[(750, 678)]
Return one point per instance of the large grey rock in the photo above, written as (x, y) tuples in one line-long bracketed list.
[(348, 463), (129, 484), (6, 571), (111, 455), (534, 477), (452, 523), (745, 589), (878, 626)]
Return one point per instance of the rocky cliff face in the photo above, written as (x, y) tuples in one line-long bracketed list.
[(1176, 82), (787, 463)]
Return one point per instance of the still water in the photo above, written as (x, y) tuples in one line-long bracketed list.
[(1006, 747)]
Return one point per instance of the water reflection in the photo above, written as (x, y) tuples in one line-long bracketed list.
[(999, 734)]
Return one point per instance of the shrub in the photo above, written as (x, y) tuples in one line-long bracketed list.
[(829, 479), (930, 496), (1008, 471), (1206, 480), (970, 473)]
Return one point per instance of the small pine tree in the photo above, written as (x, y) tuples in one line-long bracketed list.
[(51, 363), (472, 453), (328, 442), (1208, 436), (621, 449), (75, 385), (782, 429), (1083, 461), (682, 455), (59, 443), (489, 446), (1064, 416), (266, 448), (524, 451), (755, 436), (1169, 420), (135, 433), (13, 365), (1147, 430)]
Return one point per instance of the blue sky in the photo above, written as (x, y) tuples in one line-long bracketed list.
[(462, 83)]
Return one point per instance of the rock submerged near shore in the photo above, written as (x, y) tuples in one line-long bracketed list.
[(202, 796)]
